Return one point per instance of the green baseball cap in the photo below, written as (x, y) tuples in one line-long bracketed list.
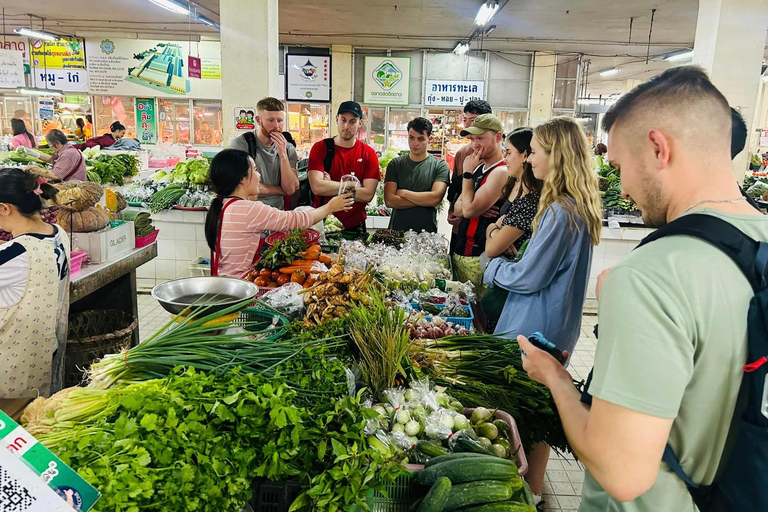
[(482, 124)]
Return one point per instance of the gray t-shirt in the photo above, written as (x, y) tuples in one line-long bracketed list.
[(268, 165)]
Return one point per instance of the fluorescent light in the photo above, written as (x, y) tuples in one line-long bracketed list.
[(610, 72), (486, 12), (39, 92), (206, 21), (489, 30), (683, 55), (588, 101), (171, 6), (45, 36), (461, 48)]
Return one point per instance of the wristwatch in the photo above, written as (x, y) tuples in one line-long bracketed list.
[(467, 175)]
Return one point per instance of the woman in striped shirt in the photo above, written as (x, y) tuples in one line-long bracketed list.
[(234, 223)]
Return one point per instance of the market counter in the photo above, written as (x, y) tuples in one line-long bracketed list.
[(110, 285)]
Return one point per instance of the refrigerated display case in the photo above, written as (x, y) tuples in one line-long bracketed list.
[(308, 123), (398, 126), (173, 121)]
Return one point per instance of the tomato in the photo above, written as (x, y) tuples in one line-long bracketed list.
[(261, 281), (299, 277), (275, 275), (253, 275), (272, 284), (282, 279), (266, 274)]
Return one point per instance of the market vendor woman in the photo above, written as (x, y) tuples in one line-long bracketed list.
[(68, 163), (34, 296), (234, 223)]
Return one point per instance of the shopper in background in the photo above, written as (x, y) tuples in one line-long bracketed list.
[(472, 109), (116, 132), (600, 151), (415, 184), (89, 122), (21, 136), (348, 156), (68, 162), (673, 314), (274, 157), (34, 279), (234, 223), (484, 177), (738, 141), (82, 132)]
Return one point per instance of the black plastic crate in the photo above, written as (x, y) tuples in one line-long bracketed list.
[(274, 496)]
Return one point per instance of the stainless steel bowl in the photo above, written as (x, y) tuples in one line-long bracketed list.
[(214, 293)]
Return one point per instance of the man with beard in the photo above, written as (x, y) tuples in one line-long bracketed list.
[(330, 159), (673, 314), (275, 159)]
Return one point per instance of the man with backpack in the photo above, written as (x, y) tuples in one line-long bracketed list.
[(344, 156), (675, 418), (275, 158)]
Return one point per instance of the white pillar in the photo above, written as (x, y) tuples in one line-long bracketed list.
[(250, 56), (341, 76), (730, 38), (542, 87)]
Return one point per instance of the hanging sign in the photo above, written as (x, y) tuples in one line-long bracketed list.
[(387, 80), (763, 138), (194, 68), (453, 93), (59, 65), (19, 45), (45, 109), (308, 78), (146, 121), (11, 69), (245, 118), (210, 69)]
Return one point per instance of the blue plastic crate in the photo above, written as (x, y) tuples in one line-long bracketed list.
[(462, 322)]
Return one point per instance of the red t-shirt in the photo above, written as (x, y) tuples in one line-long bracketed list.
[(360, 160)]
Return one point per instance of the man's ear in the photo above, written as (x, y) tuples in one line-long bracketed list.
[(662, 148)]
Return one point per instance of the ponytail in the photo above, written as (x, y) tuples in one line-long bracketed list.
[(228, 168), (212, 221), (24, 190)]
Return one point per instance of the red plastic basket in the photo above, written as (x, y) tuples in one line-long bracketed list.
[(311, 236), (144, 241), (76, 261)]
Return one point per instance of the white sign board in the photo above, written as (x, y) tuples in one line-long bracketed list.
[(387, 80), (453, 93), (67, 80), (11, 69), (308, 77)]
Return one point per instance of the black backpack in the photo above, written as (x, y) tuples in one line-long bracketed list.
[(742, 484), (307, 197)]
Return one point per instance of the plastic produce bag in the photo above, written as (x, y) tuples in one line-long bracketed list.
[(439, 425), (285, 299)]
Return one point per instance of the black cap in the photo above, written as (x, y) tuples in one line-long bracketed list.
[(351, 107)]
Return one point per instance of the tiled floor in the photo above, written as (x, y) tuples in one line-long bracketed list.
[(564, 478)]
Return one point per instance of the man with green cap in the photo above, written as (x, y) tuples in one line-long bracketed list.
[(485, 173)]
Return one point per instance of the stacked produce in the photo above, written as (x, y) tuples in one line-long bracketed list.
[(18, 158), (142, 222), (191, 172), (423, 326), (77, 212), (302, 268), (114, 201), (102, 168), (333, 225), (334, 292), (165, 198), (141, 190)]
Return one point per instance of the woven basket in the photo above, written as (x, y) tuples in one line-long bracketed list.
[(91, 336)]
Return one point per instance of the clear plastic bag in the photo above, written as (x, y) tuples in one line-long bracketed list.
[(439, 425), (349, 183), (285, 299)]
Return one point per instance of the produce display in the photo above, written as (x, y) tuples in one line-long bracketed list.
[(103, 168), (165, 198), (333, 225), (83, 221), (142, 222), (115, 201), (77, 195), (192, 172), (610, 184), (758, 189), (334, 292), (432, 327), (18, 158)]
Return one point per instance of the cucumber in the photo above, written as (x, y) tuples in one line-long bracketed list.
[(467, 444), (431, 448), (501, 506), (415, 505), (437, 496), (478, 493), (467, 470), (525, 495), (468, 455)]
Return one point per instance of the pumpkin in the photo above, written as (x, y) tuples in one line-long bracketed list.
[(115, 201), (78, 195), (91, 219)]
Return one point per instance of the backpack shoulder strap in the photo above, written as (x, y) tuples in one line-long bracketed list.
[(330, 148), (744, 251), (250, 138)]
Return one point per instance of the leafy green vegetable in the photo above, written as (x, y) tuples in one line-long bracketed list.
[(193, 171), (283, 252), (113, 168)]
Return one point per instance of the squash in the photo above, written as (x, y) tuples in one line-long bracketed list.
[(78, 195), (92, 219), (115, 201)]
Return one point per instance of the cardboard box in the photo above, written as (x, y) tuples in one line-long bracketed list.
[(107, 244)]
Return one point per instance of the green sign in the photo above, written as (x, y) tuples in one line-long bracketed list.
[(146, 121)]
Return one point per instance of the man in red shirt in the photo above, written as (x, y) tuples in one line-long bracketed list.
[(350, 157)]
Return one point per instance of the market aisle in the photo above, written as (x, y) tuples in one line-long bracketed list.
[(562, 487)]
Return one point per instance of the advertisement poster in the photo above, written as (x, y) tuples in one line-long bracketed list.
[(387, 80), (245, 118), (11, 69), (195, 68), (308, 77), (210, 69), (19, 45), (146, 121), (453, 93), (45, 109), (59, 65), (134, 67)]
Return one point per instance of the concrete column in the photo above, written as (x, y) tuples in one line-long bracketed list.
[(250, 56), (730, 38), (341, 77), (542, 87)]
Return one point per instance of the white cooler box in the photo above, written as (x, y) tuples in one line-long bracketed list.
[(107, 244)]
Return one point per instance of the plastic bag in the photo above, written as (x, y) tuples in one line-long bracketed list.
[(439, 425), (320, 226), (285, 299)]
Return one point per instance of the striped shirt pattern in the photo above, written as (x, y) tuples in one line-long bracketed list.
[(67, 161)]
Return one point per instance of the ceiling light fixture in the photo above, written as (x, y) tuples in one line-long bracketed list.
[(486, 12), (206, 21), (489, 30), (168, 5), (683, 55), (39, 92), (461, 48), (609, 72), (45, 36)]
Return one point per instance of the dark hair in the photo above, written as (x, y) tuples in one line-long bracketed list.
[(18, 126), (80, 122), (54, 136), (421, 125), (17, 187), (228, 168), (270, 104), (478, 107), (684, 83), (738, 133), (116, 127), (289, 138), (520, 139), (601, 149), (89, 118)]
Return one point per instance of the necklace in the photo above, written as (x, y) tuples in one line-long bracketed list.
[(742, 198)]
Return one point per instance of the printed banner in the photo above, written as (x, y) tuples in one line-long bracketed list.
[(453, 93), (11, 69), (387, 80), (210, 69), (59, 65), (195, 70), (245, 118), (19, 45), (146, 121), (308, 78)]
